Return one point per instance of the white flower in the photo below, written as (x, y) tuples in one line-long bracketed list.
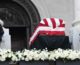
[(73, 55), (28, 55), (2, 58), (14, 58), (18, 54), (52, 55), (64, 54)]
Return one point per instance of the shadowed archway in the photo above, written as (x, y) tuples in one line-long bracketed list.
[(20, 16)]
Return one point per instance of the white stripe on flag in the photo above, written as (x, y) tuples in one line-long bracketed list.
[(63, 22), (49, 22), (42, 22), (57, 22)]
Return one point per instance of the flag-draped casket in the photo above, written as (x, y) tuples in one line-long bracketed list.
[(50, 33)]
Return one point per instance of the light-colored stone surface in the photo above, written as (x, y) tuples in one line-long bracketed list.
[(6, 40), (77, 9), (75, 35), (42, 8)]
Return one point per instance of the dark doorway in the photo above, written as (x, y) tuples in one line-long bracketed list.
[(18, 38), (20, 16)]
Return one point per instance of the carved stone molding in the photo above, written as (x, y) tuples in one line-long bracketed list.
[(19, 13)]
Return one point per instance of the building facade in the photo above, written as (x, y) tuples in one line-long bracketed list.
[(21, 17)]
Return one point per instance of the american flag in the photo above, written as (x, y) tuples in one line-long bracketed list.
[(48, 26)]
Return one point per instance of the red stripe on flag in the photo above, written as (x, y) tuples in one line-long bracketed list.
[(61, 23), (53, 22), (51, 33), (46, 22)]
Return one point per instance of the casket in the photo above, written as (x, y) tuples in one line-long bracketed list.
[(51, 42)]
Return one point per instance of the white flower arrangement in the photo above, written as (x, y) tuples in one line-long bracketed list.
[(28, 55)]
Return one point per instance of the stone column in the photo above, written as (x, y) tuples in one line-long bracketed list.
[(77, 9), (75, 26)]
